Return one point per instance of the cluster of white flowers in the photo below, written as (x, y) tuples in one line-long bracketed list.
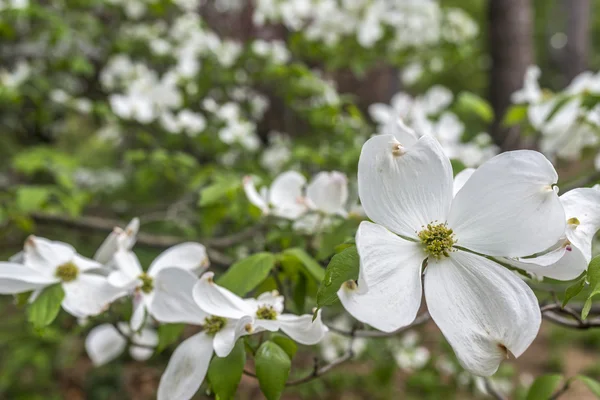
[(428, 115), (312, 206), (410, 23), (567, 125), (431, 227), (169, 291)]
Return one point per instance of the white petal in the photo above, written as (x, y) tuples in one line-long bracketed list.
[(286, 196), (401, 188), (216, 300), (190, 256), (583, 204), (225, 339), (147, 337), (186, 369), (104, 343), (389, 286), (565, 263), (121, 279), (172, 300), (328, 192), (109, 247), (45, 255), (508, 207), (17, 278), (381, 113), (482, 309), (127, 262), (84, 263), (405, 135), (302, 329), (89, 295), (139, 315), (461, 178), (253, 196)]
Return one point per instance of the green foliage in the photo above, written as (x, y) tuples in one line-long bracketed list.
[(543, 387), (168, 334), (288, 345), (310, 265), (593, 277), (247, 274), (342, 267), (591, 383), (273, 367), (225, 373), (574, 289), (46, 306), (476, 105)]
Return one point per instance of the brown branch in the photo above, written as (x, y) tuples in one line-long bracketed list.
[(567, 317), (420, 320), (561, 391), (130, 341)]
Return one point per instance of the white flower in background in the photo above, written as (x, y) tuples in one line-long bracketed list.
[(285, 197), (278, 153), (275, 50), (186, 121), (104, 343), (570, 256), (508, 207), (118, 239), (327, 193), (411, 73), (334, 344), (13, 79), (530, 92), (161, 289), (45, 263), (263, 313), (412, 359)]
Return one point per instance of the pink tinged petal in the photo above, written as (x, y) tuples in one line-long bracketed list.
[(461, 178), (483, 310), (402, 188), (189, 256), (173, 300), (328, 192), (389, 290), (564, 264), (253, 196), (128, 263), (508, 206), (186, 369), (147, 337), (582, 211), (89, 295), (225, 339), (302, 329), (286, 197), (17, 278), (45, 255), (216, 300), (104, 343)]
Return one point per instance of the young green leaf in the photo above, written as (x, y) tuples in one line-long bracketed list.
[(474, 104), (225, 373), (593, 277), (287, 344), (343, 267), (273, 367), (246, 274), (574, 290), (543, 387), (45, 308), (592, 384), (311, 266), (168, 334)]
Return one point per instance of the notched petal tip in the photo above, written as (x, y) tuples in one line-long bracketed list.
[(398, 150), (350, 285), (30, 241), (504, 350)]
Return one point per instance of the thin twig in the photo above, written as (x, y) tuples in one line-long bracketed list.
[(561, 391), (420, 320), (130, 341)]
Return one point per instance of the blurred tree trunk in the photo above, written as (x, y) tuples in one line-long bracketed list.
[(575, 55), (511, 51)]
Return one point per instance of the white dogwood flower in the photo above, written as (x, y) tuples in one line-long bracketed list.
[(327, 192), (285, 198), (104, 343), (45, 263), (160, 290), (118, 238), (264, 312), (570, 256), (508, 207)]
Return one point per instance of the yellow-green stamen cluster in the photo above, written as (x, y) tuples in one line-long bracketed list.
[(437, 240), (214, 324), (67, 272), (266, 312), (147, 283)]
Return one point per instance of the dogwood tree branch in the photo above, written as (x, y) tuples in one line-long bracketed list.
[(567, 317), (130, 341), (562, 390), (420, 320)]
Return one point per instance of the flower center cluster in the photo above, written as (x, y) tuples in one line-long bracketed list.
[(67, 272), (573, 221), (437, 239), (213, 324), (147, 283), (266, 312)]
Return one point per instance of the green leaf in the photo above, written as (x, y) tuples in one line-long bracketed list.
[(592, 384), (477, 105), (32, 198), (593, 277), (543, 387), (287, 344), (218, 190), (45, 308), (167, 335), (311, 266), (515, 115), (245, 275), (273, 367), (343, 267), (225, 373), (574, 290)]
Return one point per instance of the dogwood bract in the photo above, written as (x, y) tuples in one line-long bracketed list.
[(45, 263), (159, 290), (106, 342), (285, 197), (118, 238), (508, 207)]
